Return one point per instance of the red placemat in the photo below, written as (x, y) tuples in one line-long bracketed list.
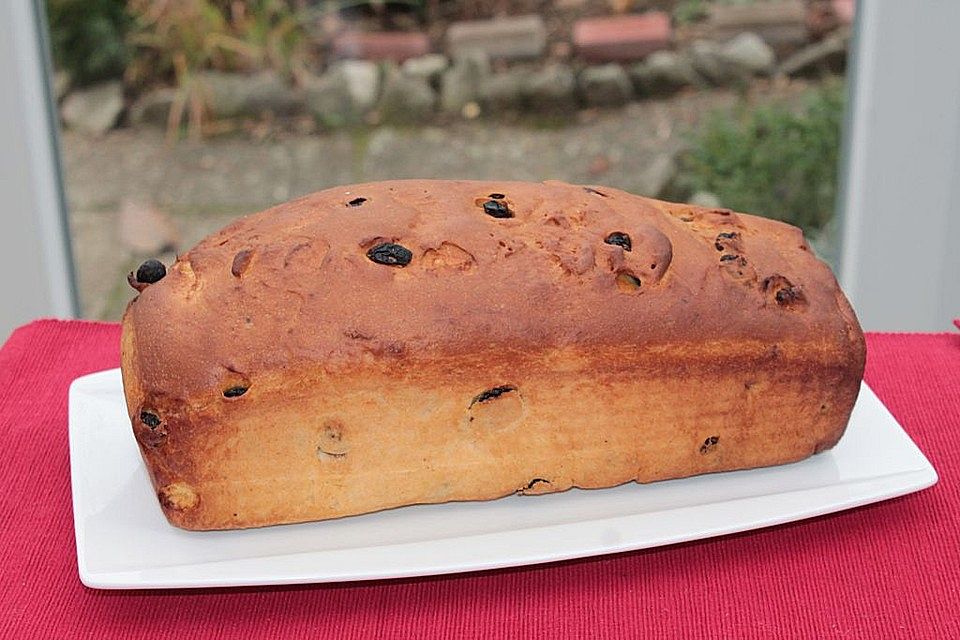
[(882, 571)]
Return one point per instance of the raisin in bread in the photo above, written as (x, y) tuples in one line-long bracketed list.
[(394, 343)]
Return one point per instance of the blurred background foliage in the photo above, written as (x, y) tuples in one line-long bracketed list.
[(147, 40), (771, 158), (89, 38), (173, 37)]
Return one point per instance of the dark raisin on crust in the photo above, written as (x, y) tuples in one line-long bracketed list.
[(787, 295), (150, 419), (497, 209), (240, 262), (620, 239), (709, 444), (391, 254), (356, 202), (234, 392), (151, 271), (727, 235), (497, 196), (490, 394)]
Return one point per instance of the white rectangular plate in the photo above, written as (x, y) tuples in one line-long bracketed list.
[(124, 542)]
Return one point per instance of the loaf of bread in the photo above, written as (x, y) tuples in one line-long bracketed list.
[(395, 343)]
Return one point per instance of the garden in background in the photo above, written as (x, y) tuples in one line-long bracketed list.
[(179, 115)]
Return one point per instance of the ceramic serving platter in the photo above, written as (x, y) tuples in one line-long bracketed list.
[(124, 542)]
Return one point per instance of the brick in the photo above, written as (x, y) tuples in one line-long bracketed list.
[(820, 19), (508, 38), (844, 10), (824, 16), (622, 38), (381, 45), (782, 23)]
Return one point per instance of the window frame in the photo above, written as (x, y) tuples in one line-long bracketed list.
[(36, 261)]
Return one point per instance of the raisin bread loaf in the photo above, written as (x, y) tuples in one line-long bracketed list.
[(406, 342)]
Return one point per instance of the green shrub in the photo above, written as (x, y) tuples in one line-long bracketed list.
[(771, 160), (88, 38), (689, 11)]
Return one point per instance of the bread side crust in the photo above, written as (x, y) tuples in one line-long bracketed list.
[(320, 444)]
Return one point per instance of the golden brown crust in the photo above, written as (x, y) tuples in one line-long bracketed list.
[(287, 306)]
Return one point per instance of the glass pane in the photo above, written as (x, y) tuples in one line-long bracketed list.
[(180, 115)]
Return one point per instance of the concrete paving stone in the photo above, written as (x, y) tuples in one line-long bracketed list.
[(505, 38), (320, 162), (93, 110), (231, 175), (99, 259), (781, 23), (146, 229), (100, 174)]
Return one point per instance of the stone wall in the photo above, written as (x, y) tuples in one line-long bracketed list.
[(505, 65)]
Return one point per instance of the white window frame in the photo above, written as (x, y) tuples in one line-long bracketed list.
[(36, 263), (900, 194), (900, 176)]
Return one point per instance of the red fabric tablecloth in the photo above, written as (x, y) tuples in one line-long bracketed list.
[(882, 571)]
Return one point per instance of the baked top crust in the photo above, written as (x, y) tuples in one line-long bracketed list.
[(419, 272)]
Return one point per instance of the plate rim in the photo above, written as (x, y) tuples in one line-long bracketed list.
[(910, 481)]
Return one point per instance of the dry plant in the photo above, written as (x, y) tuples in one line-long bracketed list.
[(177, 39)]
